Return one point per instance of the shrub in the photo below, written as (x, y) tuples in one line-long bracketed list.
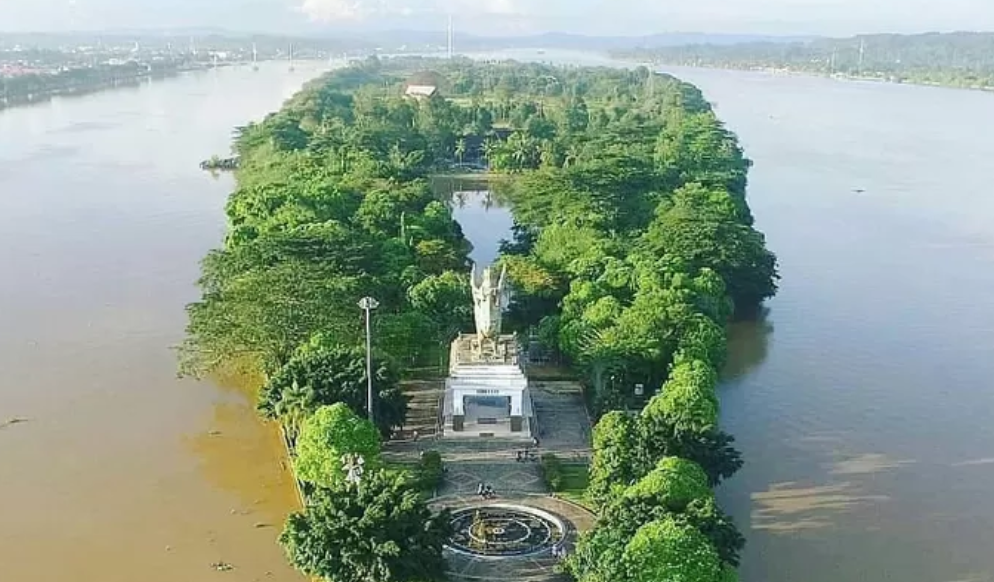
[(330, 433), (430, 471), (552, 471)]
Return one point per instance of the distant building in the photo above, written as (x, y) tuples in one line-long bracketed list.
[(421, 91)]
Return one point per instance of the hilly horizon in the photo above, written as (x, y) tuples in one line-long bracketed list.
[(398, 37)]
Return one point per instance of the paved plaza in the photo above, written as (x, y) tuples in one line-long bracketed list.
[(563, 429), (535, 568)]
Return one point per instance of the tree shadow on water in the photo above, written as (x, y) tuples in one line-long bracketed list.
[(748, 343)]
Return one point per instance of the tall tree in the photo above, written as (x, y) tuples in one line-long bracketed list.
[(445, 299), (687, 401), (328, 435), (380, 529), (713, 450), (673, 485), (669, 550), (329, 373), (615, 462), (702, 237)]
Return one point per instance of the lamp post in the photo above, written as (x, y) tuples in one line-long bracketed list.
[(368, 304)]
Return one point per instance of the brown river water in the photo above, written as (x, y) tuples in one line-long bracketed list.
[(862, 403), (122, 472)]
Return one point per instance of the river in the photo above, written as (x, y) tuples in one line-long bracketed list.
[(863, 405), (123, 472), (861, 402)]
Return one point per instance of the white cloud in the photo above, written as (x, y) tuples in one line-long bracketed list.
[(355, 10), (332, 10), (505, 7)]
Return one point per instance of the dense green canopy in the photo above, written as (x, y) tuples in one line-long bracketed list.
[(378, 530), (667, 550), (322, 373), (327, 436), (632, 248)]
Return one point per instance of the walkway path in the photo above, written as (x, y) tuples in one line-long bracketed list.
[(422, 409), (564, 427), (561, 416)]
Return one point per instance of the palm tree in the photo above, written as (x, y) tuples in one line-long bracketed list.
[(294, 408), (491, 149), (460, 149), (522, 150)]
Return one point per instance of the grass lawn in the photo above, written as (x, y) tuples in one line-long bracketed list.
[(551, 373), (574, 483)]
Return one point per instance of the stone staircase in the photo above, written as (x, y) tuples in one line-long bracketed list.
[(423, 408), (563, 423), (558, 386)]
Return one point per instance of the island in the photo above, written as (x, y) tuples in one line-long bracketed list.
[(553, 415)]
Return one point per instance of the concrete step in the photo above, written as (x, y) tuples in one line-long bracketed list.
[(423, 406), (483, 370)]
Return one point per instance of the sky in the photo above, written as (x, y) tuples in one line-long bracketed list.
[(493, 17)]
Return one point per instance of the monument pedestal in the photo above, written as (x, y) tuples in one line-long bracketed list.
[(487, 393)]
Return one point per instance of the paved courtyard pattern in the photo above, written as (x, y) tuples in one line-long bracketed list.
[(563, 429), (536, 568)]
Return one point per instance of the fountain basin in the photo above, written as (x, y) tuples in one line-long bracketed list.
[(505, 531)]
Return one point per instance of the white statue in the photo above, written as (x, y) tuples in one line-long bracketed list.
[(488, 302)]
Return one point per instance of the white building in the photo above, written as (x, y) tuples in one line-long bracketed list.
[(421, 91), (486, 394)]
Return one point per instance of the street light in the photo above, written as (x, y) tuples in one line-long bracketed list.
[(368, 304)]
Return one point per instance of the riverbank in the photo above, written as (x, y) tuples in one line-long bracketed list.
[(794, 72), (33, 89), (961, 60), (75, 89)]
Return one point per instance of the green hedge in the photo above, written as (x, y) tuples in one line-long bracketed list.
[(552, 471), (430, 471)]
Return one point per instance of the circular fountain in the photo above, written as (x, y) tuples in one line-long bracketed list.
[(505, 531)]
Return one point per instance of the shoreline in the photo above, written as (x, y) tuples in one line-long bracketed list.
[(776, 71), (89, 88), (109, 84)]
